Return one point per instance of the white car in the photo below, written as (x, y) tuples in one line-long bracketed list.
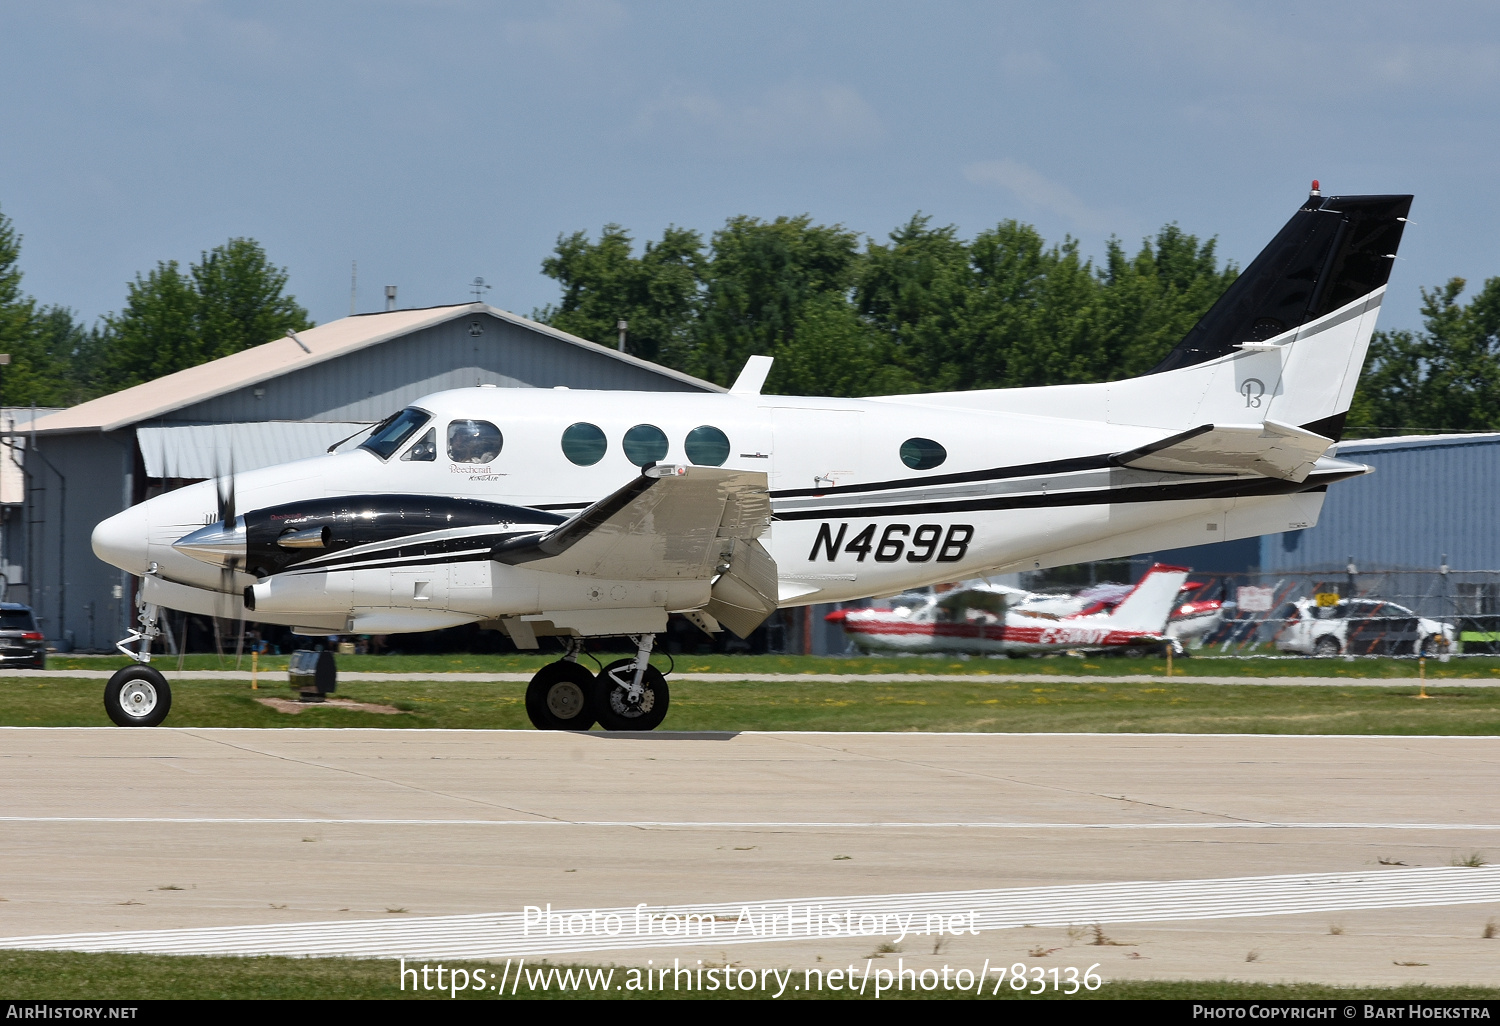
[(1361, 626)]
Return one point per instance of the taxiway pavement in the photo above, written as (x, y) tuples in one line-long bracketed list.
[(107, 829)]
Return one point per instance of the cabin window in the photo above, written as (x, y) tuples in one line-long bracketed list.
[(584, 444), (707, 446), (645, 443), (922, 453), (423, 450), (388, 436), (473, 441)]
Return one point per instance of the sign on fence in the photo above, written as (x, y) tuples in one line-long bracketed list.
[(1251, 599)]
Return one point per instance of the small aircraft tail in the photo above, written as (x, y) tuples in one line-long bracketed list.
[(1150, 603), (1284, 344)]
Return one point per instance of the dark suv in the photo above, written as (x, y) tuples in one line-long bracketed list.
[(21, 644)]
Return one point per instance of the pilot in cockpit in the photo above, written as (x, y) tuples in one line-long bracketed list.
[(473, 441)]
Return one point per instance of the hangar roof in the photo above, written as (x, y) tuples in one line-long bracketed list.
[(283, 355), (1356, 446)]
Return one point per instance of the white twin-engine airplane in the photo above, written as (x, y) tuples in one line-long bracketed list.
[(582, 514)]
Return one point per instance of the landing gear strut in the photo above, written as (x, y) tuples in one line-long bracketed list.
[(138, 696), (631, 694)]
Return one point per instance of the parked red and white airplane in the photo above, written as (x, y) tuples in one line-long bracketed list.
[(980, 620), (1192, 619), (580, 513)]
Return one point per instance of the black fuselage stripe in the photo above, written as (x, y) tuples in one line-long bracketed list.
[(1094, 497), (1068, 466)]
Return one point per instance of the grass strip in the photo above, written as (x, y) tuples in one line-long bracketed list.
[(1475, 668), (909, 705), (64, 976)]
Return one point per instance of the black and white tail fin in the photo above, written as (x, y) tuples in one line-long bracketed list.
[(1150, 603), (1284, 344), (1324, 274)]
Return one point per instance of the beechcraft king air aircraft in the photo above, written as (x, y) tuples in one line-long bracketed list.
[(581, 514)]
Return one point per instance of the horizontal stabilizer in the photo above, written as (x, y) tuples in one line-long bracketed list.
[(672, 522), (1269, 449)]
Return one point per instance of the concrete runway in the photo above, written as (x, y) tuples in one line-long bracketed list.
[(146, 830)]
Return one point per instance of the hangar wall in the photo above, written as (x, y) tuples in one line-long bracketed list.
[(1430, 496)]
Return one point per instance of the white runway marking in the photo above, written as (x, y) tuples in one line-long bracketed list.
[(756, 824), (498, 935)]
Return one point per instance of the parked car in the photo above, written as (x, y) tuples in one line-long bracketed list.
[(1361, 626), (21, 644)]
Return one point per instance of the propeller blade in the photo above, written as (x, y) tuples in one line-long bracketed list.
[(224, 487)]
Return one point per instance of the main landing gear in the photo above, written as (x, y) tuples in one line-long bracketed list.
[(138, 696), (628, 694)]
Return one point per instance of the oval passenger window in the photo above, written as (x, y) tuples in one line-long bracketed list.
[(645, 443), (473, 441), (922, 453), (584, 444), (706, 446)]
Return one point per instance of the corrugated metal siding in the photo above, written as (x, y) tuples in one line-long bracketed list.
[(196, 451), (372, 383), (1424, 500)]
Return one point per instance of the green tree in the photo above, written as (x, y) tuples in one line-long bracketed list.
[(760, 277), (41, 341), (834, 351), (15, 308), (229, 301), (604, 282), (157, 332), (240, 300), (1150, 301), (1445, 378)]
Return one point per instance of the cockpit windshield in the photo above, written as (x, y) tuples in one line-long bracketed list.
[(387, 438)]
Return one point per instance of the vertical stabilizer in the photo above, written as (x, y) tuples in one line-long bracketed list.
[(1149, 604)]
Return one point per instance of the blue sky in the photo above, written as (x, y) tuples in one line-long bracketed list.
[(435, 141)]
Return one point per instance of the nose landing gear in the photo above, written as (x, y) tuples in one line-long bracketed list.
[(628, 694), (138, 696)]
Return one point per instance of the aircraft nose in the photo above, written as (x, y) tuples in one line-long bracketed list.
[(122, 540)]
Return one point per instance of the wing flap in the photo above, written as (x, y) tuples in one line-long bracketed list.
[(671, 522), (1270, 449)]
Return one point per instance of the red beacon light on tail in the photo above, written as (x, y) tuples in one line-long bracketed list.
[(1315, 191)]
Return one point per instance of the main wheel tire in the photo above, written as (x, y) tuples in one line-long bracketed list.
[(137, 696), (1327, 645), (612, 706), (559, 697)]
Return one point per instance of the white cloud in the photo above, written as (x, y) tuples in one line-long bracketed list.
[(1031, 187)]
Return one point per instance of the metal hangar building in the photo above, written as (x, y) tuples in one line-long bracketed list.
[(287, 399)]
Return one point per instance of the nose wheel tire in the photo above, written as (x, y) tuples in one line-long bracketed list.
[(558, 697), (137, 696), (617, 709)]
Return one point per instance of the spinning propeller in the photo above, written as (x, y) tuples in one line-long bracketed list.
[(230, 526)]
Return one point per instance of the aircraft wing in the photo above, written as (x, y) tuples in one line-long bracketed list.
[(987, 598), (1269, 449), (671, 522)]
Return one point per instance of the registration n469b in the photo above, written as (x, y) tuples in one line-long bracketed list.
[(917, 544)]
